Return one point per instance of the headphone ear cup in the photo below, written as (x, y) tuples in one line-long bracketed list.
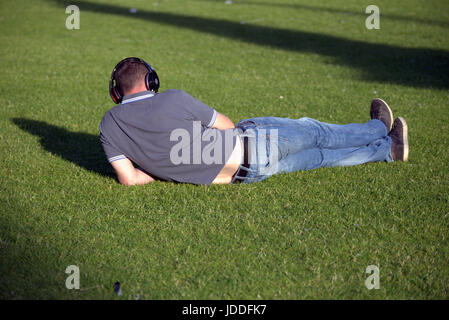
[(115, 95), (113, 92), (147, 80), (152, 80)]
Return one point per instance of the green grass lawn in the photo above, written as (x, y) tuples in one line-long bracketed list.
[(303, 235)]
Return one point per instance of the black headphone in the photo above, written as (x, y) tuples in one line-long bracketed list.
[(151, 80)]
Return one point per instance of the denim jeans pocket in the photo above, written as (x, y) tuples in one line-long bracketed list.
[(277, 146)]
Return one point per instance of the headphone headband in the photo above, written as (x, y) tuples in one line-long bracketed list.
[(151, 79)]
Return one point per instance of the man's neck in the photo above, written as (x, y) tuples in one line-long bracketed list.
[(137, 90)]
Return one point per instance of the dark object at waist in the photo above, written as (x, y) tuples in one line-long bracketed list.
[(241, 173)]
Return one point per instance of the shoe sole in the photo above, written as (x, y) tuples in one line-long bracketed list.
[(389, 110), (404, 138)]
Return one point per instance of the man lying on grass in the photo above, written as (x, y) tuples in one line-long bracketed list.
[(172, 136)]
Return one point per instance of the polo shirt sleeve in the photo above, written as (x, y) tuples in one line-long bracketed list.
[(200, 111), (112, 153)]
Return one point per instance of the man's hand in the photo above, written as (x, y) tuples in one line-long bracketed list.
[(128, 175), (222, 122)]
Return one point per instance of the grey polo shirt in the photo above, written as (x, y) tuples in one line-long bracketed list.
[(168, 135)]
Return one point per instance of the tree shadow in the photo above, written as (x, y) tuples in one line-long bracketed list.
[(362, 13), (83, 149), (415, 67)]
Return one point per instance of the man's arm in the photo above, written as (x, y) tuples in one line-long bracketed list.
[(222, 122), (128, 175)]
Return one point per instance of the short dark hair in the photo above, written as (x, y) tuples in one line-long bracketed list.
[(130, 74)]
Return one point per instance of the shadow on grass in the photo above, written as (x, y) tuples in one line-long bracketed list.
[(416, 67), (300, 6), (83, 149)]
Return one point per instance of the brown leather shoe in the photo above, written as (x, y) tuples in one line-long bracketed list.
[(399, 140), (381, 111)]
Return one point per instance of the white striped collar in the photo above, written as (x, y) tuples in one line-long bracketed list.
[(138, 98)]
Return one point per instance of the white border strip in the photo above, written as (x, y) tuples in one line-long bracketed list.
[(138, 98), (119, 157), (214, 117)]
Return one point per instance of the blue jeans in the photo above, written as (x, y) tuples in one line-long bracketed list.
[(286, 145)]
